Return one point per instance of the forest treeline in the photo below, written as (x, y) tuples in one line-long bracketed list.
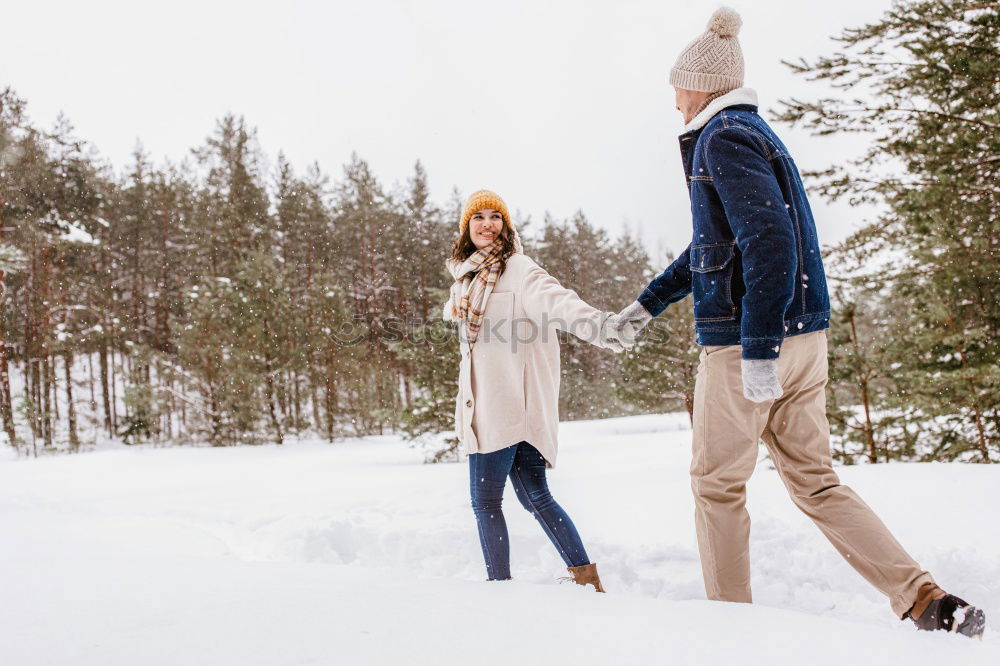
[(219, 300), (231, 299)]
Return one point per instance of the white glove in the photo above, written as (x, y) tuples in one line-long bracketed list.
[(631, 320), (760, 379), (610, 336)]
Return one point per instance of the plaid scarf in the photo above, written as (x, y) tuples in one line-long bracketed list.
[(474, 281)]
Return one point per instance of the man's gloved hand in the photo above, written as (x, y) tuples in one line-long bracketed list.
[(610, 334), (760, 379), (631, 320)]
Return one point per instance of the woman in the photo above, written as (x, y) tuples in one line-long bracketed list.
[(507, 408)]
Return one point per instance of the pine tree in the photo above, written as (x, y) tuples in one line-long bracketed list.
[(308, 255), (12, 259), (235, 220), (925, 78), (862, 373), (369, 232)]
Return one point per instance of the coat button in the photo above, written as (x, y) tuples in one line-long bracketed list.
[(468, 403)]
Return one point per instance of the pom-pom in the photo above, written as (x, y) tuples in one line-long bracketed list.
[(725, 22)]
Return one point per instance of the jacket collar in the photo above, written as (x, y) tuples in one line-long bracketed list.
[(731, 98)]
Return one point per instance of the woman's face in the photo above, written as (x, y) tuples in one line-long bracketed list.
[(484, 227)]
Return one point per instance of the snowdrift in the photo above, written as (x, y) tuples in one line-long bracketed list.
[(356, 553)]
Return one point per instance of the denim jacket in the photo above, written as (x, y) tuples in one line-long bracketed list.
[(754, 262)]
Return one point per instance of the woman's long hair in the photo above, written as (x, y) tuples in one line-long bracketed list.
[(464, 247)]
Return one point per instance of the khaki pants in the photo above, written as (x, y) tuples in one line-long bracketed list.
[(727, 428)]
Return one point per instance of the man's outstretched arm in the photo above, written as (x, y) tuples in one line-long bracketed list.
[(670, 286)]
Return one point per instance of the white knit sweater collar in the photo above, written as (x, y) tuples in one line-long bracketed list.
[(731, 98)]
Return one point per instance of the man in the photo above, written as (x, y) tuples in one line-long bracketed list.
[(761, 312)]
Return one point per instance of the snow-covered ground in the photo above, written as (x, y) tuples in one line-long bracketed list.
[(356, 553)]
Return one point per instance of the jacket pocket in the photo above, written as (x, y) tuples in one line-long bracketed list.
[(711, 280)]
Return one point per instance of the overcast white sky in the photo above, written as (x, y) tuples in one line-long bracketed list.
[(557, 106)]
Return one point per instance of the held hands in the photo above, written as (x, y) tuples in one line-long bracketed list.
[(609, 337), (631, 320), (760, 379), (618, 332)]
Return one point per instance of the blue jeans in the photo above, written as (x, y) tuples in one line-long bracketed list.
[(526, 467)]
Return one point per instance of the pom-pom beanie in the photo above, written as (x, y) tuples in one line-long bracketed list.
[(714, 61)]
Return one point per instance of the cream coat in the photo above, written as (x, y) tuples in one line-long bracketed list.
[(508, 388)]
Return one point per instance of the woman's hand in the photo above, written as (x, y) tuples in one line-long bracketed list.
[(630, 321), (613, 335)]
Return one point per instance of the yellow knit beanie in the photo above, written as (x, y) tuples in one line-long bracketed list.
[(486, 199), (480, 200)]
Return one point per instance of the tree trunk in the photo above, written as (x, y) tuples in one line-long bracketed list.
[(182, 426), (6, 400), (270, 387), (114, 391), (215, 436), (34, 391), (46, 401), (90, 382), (973, 402), (331, 396), (168, 424), (296, 398), (272, 411), (862, 378), (74, 440), (318, 424), (50, 367), (44, 387), (106, 390)]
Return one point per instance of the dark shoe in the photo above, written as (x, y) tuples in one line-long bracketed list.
[(586, 575), (936, 610)]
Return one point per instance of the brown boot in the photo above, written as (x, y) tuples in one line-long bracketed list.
[(934, 609), (586, 575)]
